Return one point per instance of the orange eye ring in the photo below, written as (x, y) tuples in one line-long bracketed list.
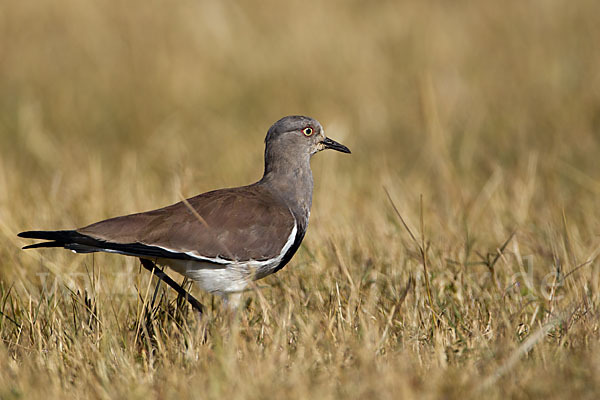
[(308, 131)]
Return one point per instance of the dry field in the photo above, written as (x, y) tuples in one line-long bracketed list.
[(480, 119)]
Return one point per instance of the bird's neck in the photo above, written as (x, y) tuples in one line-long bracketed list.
[(290, 179)]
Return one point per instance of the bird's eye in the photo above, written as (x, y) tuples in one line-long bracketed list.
[(308, 131)]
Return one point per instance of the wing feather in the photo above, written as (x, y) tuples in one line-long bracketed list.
[(240, 224)]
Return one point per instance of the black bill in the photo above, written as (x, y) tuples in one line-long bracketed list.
[(332, 144)]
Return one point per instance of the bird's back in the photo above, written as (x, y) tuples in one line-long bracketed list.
[(239, 224)]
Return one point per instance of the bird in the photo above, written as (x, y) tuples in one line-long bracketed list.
[(222, 239)]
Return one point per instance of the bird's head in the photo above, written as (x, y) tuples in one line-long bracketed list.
[(301, 135)]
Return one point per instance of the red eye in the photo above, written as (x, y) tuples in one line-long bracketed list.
[(308, 131)]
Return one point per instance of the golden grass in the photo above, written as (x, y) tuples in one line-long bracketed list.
[(490, 112)]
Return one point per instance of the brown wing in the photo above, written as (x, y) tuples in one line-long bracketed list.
[(240, 224)]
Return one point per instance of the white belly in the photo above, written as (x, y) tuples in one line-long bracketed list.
[(220, 279)]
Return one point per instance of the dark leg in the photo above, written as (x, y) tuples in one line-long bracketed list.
[(150, 266)]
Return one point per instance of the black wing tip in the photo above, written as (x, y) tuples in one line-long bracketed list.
[(54, 238), (80, 243), (27, 234), (47, 235), (43, 244)]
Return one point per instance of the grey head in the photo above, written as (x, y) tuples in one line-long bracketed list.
[(289, 145), (300, 136)]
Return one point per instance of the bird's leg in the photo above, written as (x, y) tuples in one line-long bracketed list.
[(150, 266)]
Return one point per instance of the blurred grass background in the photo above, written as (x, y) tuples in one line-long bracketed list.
[(490, 112)]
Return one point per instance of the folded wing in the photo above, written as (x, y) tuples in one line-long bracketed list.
[(240, 224)]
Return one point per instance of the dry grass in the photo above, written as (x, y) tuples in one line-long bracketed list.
[(490, 112)]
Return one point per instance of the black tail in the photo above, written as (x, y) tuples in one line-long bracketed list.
[(57, 238), (46, 235), (73, 240)]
